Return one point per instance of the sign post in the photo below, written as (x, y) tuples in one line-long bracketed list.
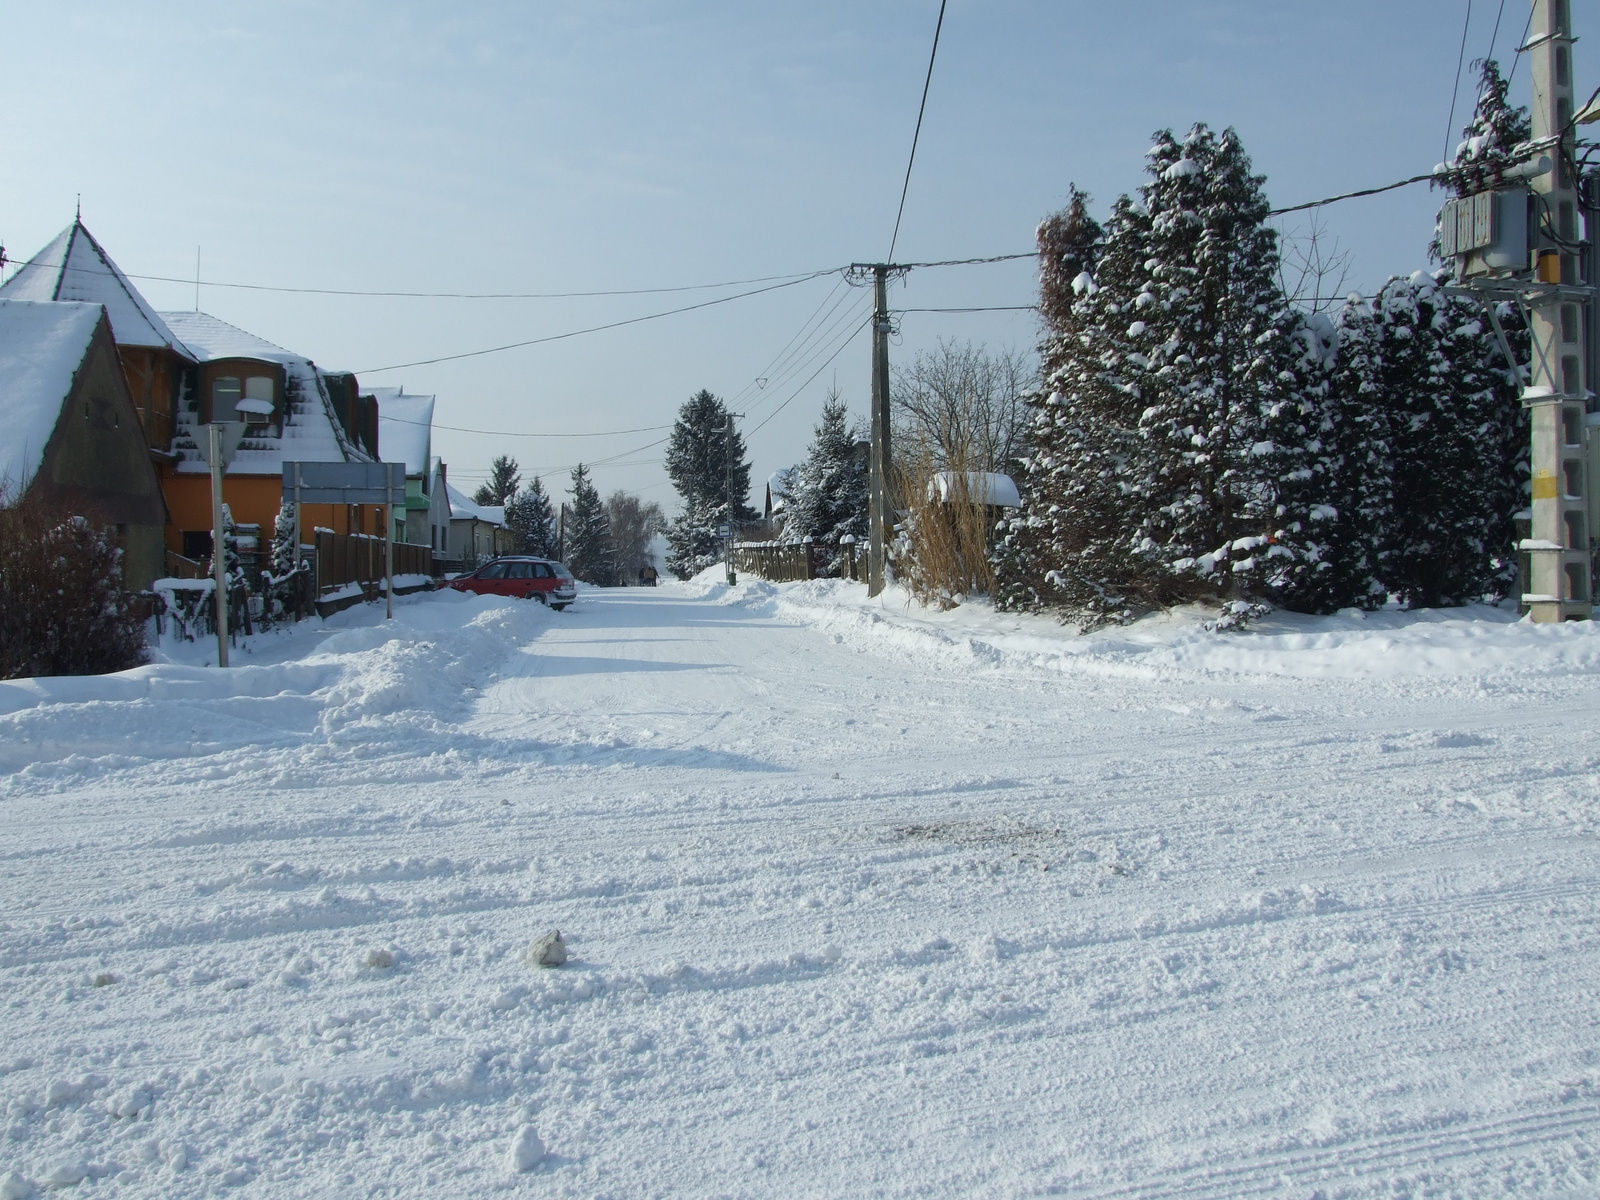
[(353, 483)]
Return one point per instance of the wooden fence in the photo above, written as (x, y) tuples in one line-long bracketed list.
[(359, 558), (784, 562)]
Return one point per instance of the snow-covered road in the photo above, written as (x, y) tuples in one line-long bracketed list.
[(859, 902)]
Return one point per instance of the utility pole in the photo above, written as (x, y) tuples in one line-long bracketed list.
[(1557, 392), (727, 454), (880, 523), (1518, 239)]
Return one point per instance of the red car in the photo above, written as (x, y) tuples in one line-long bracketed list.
[(521, 576)]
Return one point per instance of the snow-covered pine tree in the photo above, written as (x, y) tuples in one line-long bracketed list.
[(692, 542), (1494, 139), (829, 498), (502, 484), (230, 550), (1218, 360), (1446, 401), (532, 520), (285, 540), (589, 551), (697, 464)]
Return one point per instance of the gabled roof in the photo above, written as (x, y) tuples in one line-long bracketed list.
[(209, 338), (74, 267), (405, 428), (462, 509), (42, 345)]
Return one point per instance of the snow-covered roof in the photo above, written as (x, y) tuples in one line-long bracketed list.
[(405, 427), (42, 345), (463, 509), (209, 338), (310, 431), (74, 267), (985, 487)]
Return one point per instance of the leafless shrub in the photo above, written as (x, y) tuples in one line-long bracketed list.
[(1313, 268), (942, 554), (966, 400), (63, 607)]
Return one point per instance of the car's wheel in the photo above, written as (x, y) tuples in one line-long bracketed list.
[(558, 607)]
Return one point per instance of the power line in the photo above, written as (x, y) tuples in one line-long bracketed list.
[(311, 291), (515, 433), (1461, 57), (975, 309), (1495, 36), (906, 186), (556, 337), (854, 333), (1388, 187), (1516, 59)]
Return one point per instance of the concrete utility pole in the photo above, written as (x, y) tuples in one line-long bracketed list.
[(880, 515), (727, 454), (1557, 394)]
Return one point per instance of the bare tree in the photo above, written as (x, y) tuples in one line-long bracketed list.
[(963, 403), (634, 525), (1313, 268)]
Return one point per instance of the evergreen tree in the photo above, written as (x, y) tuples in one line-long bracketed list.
[(697, 463), (234, 571), (532, 520), (285, 540), (1493, 140), (692, 542), (829, 500), (589, 552), (1218, 362), (502, 485)]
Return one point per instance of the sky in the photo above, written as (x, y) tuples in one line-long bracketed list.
[(535, 147)]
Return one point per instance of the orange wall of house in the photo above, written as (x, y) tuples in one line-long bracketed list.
[(255, 500)]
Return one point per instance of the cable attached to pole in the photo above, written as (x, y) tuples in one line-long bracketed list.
[(906, 186)]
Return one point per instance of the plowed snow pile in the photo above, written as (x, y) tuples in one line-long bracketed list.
[(858, 899)]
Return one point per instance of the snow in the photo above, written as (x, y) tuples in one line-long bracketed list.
[(74, 267), (461, 508), (41, 346), (859, 899), (405, 426), (987, 487)]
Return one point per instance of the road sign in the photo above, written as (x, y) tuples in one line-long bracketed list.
[(345, 482), (724, 530)]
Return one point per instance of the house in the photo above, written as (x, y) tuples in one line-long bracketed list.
[(477, 531), (73, 440), (184, 369), (155, 363), (405, 431), (315, 416)]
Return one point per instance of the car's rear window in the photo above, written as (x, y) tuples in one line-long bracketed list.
[(561, 570)]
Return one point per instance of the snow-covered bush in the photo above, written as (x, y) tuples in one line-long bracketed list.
[(64, 609)]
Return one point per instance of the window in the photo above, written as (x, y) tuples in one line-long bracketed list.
[(519, 570), (541, 571), (493, 571), (225, 397), (259, 387)]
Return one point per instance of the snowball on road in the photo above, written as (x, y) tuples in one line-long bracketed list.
[(857, 900)]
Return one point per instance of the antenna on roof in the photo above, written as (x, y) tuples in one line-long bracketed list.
[(197, 279), (77, 217)]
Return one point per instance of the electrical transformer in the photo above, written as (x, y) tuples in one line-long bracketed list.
[(1487, 231)]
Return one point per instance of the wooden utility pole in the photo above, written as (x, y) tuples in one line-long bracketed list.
[(880, 513)]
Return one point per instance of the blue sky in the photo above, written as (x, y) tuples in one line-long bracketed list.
[(535, 147)]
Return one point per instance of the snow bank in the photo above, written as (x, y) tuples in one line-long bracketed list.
[(315, 681), (1476, 641)]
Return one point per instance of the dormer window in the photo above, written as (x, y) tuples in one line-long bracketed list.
[(225, 396)]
